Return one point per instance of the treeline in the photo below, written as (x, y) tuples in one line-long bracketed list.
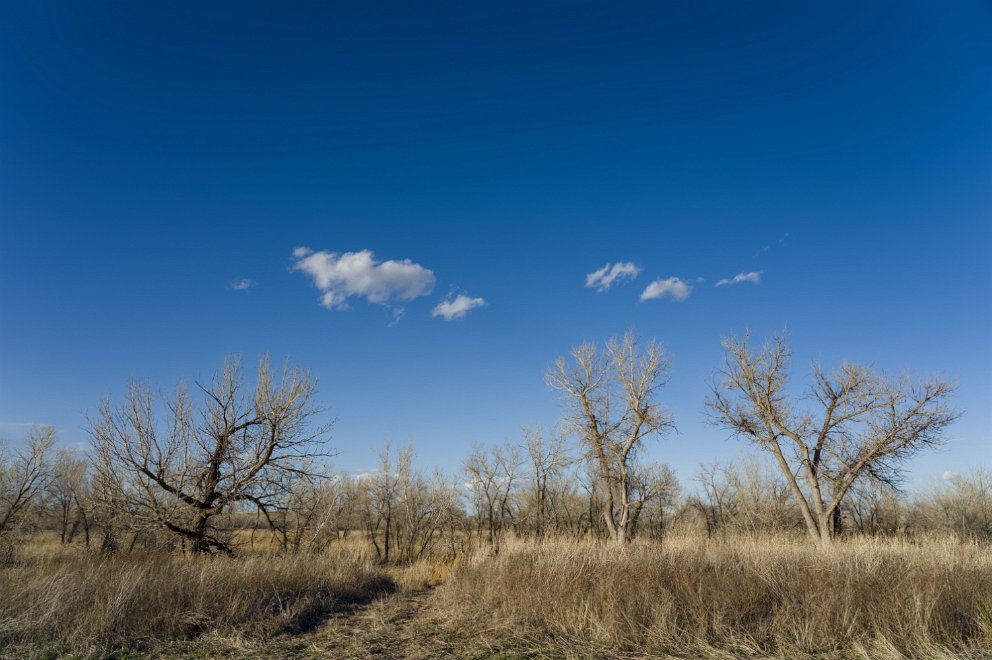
[(539, 488), (224, 466)]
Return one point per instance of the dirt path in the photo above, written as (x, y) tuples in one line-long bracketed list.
[(398, 625)]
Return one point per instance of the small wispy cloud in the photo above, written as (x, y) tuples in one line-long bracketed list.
[(398, 314), (242, 284), (603, 279), (672, 286), (360, 274), (948, 475), (456, 307), (754, 277)]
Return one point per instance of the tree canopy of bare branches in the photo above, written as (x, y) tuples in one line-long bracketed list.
[(180, 463), (611, 398), (852, 422), (23, 475)]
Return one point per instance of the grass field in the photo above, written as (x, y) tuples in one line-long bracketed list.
[(737, 596), (687, 597)]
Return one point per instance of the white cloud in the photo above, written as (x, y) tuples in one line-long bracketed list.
[(456, 308), (949, 475), (603, 279), (242, 284), (341, 276), (753, 277), (672, 286)]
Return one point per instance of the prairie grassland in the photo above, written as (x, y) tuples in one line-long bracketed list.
[(93, 604), (738, 596), (687, 597)]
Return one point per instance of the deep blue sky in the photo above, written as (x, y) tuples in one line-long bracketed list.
[(153, 153)]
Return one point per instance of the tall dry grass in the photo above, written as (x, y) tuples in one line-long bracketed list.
[(98, 604), (735, 596)]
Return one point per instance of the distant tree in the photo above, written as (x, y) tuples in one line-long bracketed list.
[(24, 475), (961, 504), (654, 490), (237, 447), (611, 401), (381, 494), (68, 491), (547, 459), (491, 475), (853, 422)]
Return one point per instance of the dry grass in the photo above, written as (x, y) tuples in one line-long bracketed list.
[(688, 597), (732, 597), (96, 605)]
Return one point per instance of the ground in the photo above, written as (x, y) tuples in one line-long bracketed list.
[(399, 625), (396, 625)]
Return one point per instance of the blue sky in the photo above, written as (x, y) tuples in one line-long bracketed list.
[(152, 155)]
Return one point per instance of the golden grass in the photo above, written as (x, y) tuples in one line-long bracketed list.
[(97, 604), (740, 596)]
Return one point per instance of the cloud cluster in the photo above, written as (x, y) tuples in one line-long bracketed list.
[(672, 286), (603, 279), (242, 284), (754, 277), (341, 276), (457, 307)]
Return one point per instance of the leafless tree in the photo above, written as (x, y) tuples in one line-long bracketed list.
[(612, 406), (873, 508), (382, 496), (745, 495), (235, 448), (961, 504), (24, 475), (716, 501), (654, 490), (853, 421), (69, 494), (491, 475), (547, 458)]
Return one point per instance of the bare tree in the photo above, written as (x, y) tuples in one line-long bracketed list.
[(68, 493), (853, 421), (491, 475), (717, 502), (654, 490), (24, 474), (961, 504), (547, 459), (382, 497), (235, 448), (612, 406)]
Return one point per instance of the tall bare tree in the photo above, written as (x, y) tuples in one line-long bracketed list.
[(235, 448), (853, 421), (611, 398), (24, 474)]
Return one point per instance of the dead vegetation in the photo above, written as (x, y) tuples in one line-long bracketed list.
[(735, 596), (211, 527), (102, 604)]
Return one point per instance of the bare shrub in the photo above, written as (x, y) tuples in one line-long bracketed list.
[(962, 504)]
